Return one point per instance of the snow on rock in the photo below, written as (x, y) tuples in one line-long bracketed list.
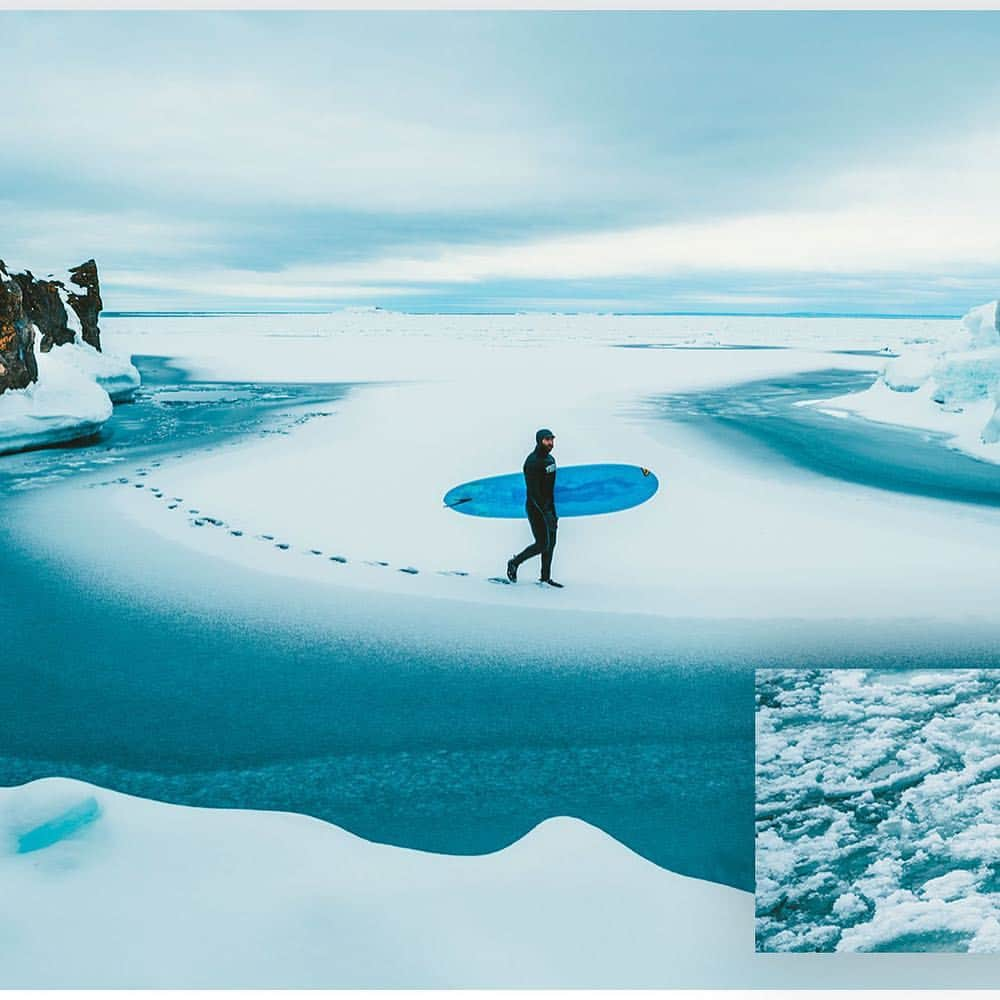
[(116, 375), (878, 811), (65, 404), (115, 891), (951, 386), (56, 385)]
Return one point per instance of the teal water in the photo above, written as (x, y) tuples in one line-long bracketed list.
[(764, 415)]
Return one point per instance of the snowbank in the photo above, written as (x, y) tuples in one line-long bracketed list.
[(118, 377), (109, 890), (65, 404), (951, 387), (116, 891)]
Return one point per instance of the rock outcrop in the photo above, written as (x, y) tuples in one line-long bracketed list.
[(44, 306), (18, 366), (44, 313), (87, 306)]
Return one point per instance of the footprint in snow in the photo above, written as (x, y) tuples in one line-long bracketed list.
[(409, 569), (338, 559), (281, 545), (236, 532)]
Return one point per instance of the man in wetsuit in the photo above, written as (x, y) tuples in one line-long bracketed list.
[(540, 481)]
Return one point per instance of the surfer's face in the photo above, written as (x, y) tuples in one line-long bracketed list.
[(548, 443)]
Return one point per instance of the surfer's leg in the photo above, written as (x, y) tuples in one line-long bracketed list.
[(540, 532), (550, 540)]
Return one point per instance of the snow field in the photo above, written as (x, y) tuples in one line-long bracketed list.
[(724, 535)]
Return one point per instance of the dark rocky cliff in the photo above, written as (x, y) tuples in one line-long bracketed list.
[(26, 302), (87, 306), (44, 307), (18, 367)]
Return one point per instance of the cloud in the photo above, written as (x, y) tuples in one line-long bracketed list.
[(322, 157)]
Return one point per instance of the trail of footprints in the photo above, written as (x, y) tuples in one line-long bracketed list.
[(197, 519)]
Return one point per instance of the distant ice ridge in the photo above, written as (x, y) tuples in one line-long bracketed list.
[(878, 811), (951, 386), (65, 404), (107, 890)]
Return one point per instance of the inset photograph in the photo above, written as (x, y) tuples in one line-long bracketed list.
[(878, 811)]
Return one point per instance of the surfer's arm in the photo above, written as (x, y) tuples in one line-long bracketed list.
[(534, 484)]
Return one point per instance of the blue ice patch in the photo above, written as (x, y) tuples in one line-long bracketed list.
[(67, 823)]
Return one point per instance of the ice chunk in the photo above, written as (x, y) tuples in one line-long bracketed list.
[(65, 404)]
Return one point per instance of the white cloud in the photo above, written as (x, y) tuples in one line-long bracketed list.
[(889, 239)]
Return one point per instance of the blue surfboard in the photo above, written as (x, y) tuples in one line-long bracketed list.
[(580, 490)]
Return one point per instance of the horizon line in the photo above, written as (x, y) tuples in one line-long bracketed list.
[(157, 313)]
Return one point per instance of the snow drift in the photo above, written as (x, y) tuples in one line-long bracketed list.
[(118, 891), (64, 405)]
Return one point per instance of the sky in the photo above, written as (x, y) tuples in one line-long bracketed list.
[(497, 162)]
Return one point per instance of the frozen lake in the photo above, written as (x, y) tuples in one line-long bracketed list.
[(225, 623)]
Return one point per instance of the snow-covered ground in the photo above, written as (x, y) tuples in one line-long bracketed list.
[(449, 399), (878, 811), (114, 891), (950, 386)]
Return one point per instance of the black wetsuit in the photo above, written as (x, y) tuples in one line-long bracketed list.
[(540, 482)]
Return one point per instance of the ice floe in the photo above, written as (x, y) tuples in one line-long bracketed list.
[(949, 386), (878, 810)]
